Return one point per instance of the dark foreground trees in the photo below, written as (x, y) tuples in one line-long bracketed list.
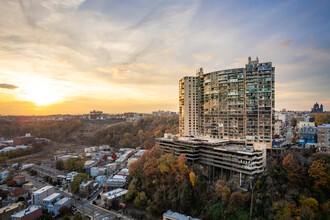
[(295, 185)]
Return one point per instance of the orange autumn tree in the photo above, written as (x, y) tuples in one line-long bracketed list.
[(319, 171), (291, 167), (166, 181)]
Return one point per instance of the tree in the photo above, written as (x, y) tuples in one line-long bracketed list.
[(77, 216), (59, 164), (192, 178), (131, 192), (66, 217), (77, 180), (105, 157), (83, 155), (75, 164), (319, 171), (114, 156), (322, 118), (141, 200), (222, 191), (293, 122), (11, 183), (237, 201), (3, 160), (292, 168), (64, 210)]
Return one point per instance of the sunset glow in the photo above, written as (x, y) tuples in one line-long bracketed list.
[(74, 56)]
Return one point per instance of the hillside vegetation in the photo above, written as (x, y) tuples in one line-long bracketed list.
[(140, 133), (117, 134), (295, 185)]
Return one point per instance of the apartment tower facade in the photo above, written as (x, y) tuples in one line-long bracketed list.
[(234, 104)]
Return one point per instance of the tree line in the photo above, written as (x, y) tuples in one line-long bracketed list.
[(140, 133)]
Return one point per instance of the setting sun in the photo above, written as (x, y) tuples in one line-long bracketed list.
[(41, 91), (42, 95)]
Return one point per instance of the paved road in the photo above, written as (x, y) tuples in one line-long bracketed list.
[(288, 137)]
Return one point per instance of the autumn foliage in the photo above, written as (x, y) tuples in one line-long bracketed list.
[(161, 181)]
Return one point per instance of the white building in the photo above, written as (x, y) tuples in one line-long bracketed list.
[(4, 175), (69, 177), (113, 194), (188, 114), (49, 199), (63, 202), (323, 137), (98, 171), (304, 124), (42, 193)]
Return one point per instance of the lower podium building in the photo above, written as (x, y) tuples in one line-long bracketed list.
[(216, 153)]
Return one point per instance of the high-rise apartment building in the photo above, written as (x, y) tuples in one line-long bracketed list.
[(234, 104), (188, 109)]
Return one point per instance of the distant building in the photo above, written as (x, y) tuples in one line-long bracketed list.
[(49, 200), (169, 215), (323, 137), (163, 113), (42, 193), (28, 186), (96, 115), (14, 195), (63, 202), (304, 123), (108, 197), (85, 188), (277, 128), (27, 139), (117, 181), (32, 213), (7, 211), (317, 109), (4, 175), (19, 179), (307, 134)]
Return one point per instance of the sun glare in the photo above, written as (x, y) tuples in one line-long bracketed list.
[(41, 92)]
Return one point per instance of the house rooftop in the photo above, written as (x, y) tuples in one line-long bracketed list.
[(115, 193), (10, 207), (42, 190), (51, 197), (325, 126), (24, 212), (62, 201), (17, 192), (178, 216)]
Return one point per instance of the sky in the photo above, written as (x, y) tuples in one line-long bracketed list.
[(73, 56)]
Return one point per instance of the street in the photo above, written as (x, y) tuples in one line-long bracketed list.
[(83, 205)]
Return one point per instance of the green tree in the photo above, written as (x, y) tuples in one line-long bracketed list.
[(77, 180), (141, 200), (77, 216), (66, 217), (59, 164)]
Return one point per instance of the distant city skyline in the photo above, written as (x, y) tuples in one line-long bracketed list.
[(70, 57)]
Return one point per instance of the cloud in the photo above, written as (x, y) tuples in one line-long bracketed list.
[(7, 86), (140, 50), (202, 57), (285, 43)]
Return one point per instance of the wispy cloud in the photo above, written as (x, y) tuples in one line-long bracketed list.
[(286, 42), (7, 86), (139, 51)]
